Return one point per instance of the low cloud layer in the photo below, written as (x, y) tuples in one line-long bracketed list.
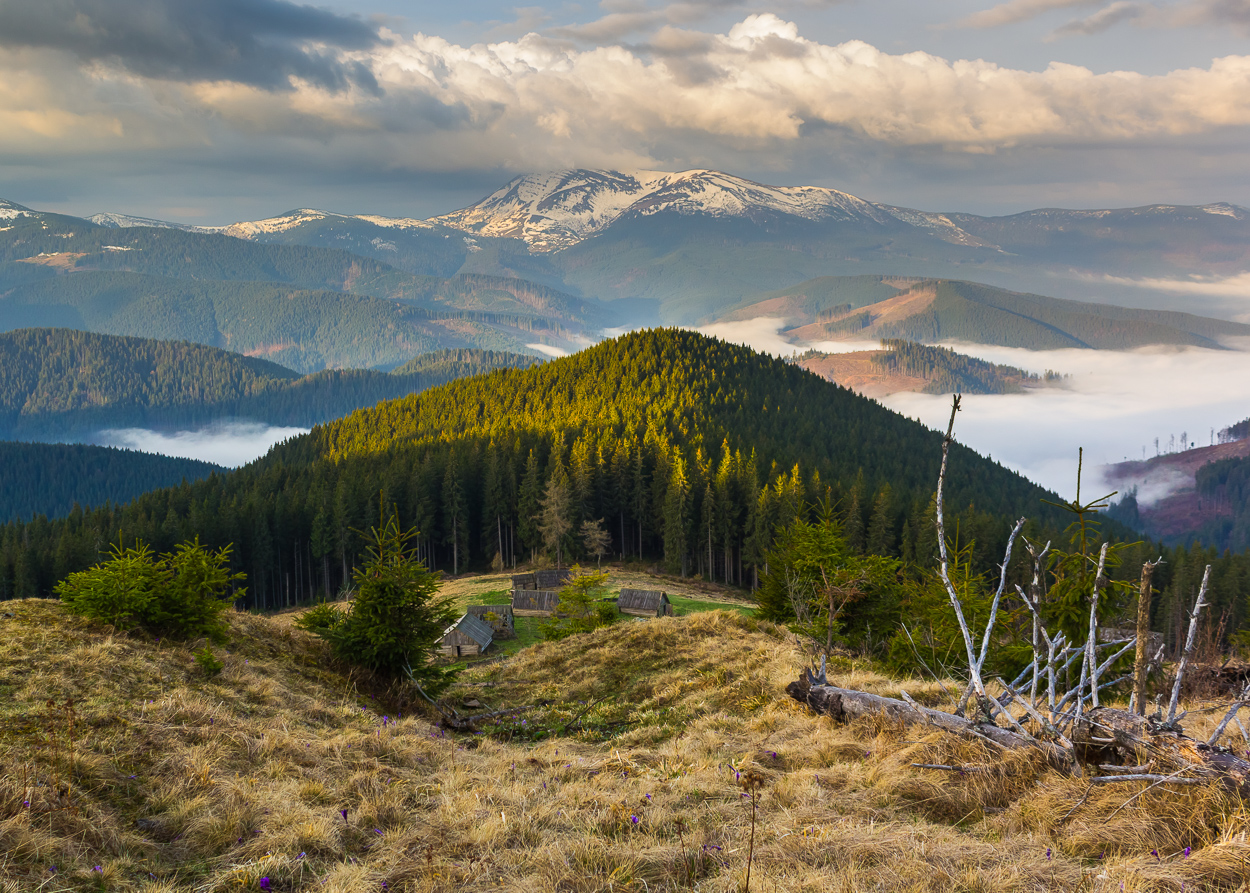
[(1114, 405), (230, 444)]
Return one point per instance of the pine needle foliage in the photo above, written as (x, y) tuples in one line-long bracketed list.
[(181, 593), (397, 618)]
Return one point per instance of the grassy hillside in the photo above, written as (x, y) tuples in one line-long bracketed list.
[(928, 310), (62, 382), (284, 768), (51, 478)]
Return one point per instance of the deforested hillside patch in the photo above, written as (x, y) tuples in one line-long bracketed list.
[(129, 767)]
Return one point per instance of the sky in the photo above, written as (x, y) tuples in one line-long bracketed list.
[(213, 111)]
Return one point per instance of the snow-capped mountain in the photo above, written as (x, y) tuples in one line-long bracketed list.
[(556, 210)]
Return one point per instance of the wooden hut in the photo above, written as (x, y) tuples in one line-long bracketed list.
[(467, 636), (524, 581), (534, 602), (644, 602), (552, 578), (498, 616)]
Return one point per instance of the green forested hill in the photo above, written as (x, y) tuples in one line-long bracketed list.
[(64, 383), (51, 478), (690, 450)]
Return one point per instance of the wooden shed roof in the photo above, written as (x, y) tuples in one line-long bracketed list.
[(641, 599), (476, 629), (535, 600), (552, 578)]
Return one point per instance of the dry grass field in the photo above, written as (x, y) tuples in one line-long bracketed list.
[(284, 773)]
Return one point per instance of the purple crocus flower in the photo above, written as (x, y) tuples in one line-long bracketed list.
[(1047, 854), (264, 883), (1187, 852), (633, 819), (343, 813)]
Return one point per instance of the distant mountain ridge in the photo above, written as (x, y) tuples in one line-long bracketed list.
[(868, 308), (681, 248)]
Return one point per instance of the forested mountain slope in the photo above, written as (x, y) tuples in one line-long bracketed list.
[(51, 478), (57, 383), (309, 307), (690, 449)]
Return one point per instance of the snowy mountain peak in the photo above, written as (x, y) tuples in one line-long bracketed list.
[(555, 210)]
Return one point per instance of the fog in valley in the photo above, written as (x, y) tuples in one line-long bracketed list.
[(230, 444)]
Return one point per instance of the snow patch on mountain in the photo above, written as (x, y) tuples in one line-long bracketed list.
[(556, 210), (938, 224), (11, 211), (126, 221)]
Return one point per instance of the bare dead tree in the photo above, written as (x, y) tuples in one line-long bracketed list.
[(1121, 743), (1189, 643)]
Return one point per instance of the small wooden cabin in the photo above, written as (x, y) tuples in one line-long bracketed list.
[(498, 616), (534, 602), (644, 603), (524, 581), (466, 637), (552, 578)]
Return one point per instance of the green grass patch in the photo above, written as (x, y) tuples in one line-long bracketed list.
[(685, 605)]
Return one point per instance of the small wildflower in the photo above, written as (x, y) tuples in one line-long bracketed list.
[(1047, 854), (98, 868), (264, 883), (377, 830), (1188, 850), (633, 820), (1155, 853)]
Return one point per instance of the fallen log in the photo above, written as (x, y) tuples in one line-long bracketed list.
[(843, 704), (1107, 736)]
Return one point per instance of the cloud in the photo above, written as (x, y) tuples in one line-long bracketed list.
[(262, 43), (229, 443), (548, 350), (1237, 286), (1120, 11), (1014, 11), (758, 97), (1215, 12), (1114, 405), (762, 334)]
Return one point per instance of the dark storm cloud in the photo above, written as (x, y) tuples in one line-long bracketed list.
[(262, 43)]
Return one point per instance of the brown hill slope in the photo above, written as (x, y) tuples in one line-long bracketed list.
[(626, 779)]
